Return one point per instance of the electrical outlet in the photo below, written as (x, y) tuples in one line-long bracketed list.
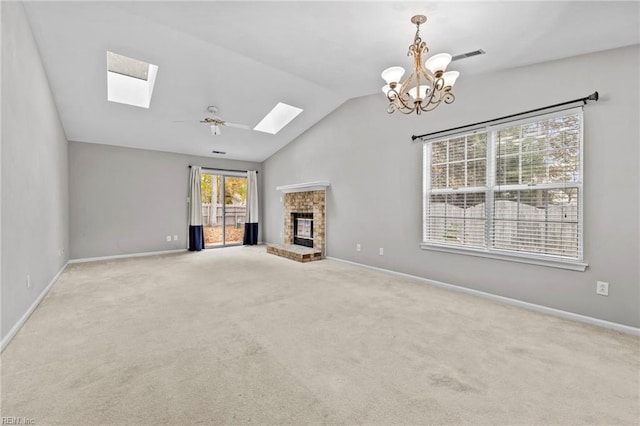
[(381, 250), (358, 247), (28, 281), (602, 288), (175, 238), (168, 237)]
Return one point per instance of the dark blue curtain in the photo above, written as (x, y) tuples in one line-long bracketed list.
[(250, 234), (196, 237)]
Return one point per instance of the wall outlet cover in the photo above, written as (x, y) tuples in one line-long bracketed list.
[(602, 288)]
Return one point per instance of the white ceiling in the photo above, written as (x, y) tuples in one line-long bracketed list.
[(244, 57)]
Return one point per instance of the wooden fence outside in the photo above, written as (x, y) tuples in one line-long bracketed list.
[(517, 227), (212, 214)]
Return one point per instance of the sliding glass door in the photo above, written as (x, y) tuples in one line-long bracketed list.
[(224, 206)]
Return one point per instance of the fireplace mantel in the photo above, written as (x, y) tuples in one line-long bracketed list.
[(304, 187)]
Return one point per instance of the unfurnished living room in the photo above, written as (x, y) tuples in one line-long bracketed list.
[(340, 213)]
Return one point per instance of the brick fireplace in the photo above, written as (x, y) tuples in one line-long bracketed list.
[(304, 224), (301, 205)]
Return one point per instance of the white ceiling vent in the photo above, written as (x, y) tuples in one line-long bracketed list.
[(130, 81), (468, 55)]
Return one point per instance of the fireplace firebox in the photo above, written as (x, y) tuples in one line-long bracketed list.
[(302, 229)]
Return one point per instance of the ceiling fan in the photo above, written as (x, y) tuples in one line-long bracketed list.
[(216, 122)]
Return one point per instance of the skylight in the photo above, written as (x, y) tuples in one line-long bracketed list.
[(279, 117), (130, 81)]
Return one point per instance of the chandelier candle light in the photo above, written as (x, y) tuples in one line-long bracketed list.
[(427, 86)]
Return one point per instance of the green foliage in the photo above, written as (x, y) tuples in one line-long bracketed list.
[(205, 188), (235, 190)]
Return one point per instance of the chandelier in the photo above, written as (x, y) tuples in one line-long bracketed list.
[(427, 86)]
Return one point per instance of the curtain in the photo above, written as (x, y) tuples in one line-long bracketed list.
[(251, 224), (196, 232)]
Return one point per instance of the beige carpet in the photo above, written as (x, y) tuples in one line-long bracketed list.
[(238, 336)]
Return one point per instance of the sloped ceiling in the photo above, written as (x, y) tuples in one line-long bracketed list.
[(244, 57)]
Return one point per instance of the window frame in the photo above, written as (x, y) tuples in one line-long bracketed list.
[(492, 186)]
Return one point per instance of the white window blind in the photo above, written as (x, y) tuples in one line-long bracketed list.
[(513, 188), (457, 195)]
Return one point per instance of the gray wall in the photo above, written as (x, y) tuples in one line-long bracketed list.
[(375, 173), (35, 212), (127, 200)]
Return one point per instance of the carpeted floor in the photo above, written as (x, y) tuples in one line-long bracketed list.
[(238, 336)]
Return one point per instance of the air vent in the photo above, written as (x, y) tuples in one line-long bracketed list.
[(468, 55), (219, 152)]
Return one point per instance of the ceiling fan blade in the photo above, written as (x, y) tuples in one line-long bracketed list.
[(237, 126)]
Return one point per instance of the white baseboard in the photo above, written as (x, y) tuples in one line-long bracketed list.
[(17, 326), (531, 306), (123, 256)]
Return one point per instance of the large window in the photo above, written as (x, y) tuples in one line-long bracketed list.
[(510, 190)]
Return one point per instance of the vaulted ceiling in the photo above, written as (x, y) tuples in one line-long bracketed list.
[(246, 56)]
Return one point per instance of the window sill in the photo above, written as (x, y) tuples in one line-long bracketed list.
[(574, 266)]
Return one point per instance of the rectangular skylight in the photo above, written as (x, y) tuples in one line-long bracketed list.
[(130, 81), (279, 117)]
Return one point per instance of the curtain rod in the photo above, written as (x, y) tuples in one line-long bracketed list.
[(592, 97), (224, 170)]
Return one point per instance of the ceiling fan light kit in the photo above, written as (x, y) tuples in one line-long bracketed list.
[(427, 86)]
